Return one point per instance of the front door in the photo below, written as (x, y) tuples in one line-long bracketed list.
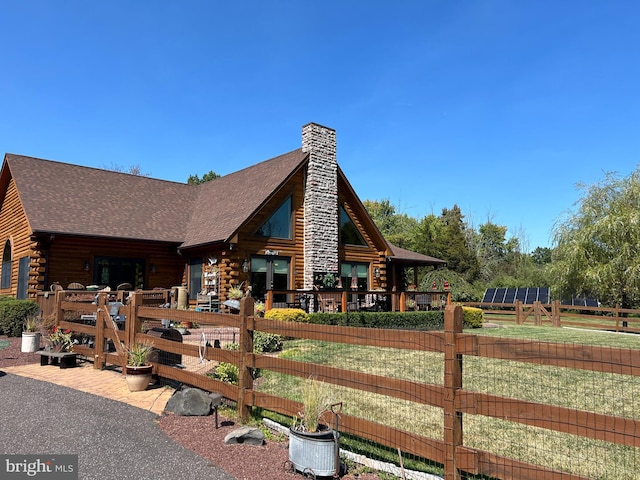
[(269, 273)]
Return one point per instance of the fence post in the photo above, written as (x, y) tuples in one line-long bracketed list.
[(519, 318), (98, 344), (555, 313), (452, 383), (245, 348)]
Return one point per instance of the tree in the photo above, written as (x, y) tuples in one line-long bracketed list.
[(131, 170), (207, 177), (395, 227), (597, 247)]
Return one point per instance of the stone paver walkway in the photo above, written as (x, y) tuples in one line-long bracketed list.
[(104, 383)]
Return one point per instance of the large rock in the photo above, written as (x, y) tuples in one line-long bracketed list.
[(190, 402), (246, 435)]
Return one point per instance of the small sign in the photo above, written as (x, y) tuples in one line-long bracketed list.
[(271, 252)]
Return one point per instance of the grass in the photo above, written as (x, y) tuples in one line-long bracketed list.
[(4, 343), (612, 394)]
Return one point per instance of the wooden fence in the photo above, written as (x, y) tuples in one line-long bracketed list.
[(615, 319), (450, 396)]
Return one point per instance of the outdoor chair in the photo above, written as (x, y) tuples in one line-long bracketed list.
[(75, 286), (124, 286)]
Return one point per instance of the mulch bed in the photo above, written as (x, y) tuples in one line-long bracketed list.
[(245, 462)]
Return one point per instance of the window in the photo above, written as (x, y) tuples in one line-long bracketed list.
[(349, 233), (23, 278), (269, 273), (6, 266), (113, 271), (195, 278), (355, 275), (279, 224)]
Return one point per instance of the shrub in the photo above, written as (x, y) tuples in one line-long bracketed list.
[(418, 320), (287, 315), (473, 317), (267, 342), (14, 313), (227, 372)]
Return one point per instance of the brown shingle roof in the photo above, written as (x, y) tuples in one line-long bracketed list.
[(71, 199), (226, 203)]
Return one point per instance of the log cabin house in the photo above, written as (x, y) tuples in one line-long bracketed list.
[(281, 224)]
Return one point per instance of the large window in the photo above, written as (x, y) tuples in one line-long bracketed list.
[(6, 266), (113, 271), (355, 275), (269, 273), (279, 224), (349, 233)]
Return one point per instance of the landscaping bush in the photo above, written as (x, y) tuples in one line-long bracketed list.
[(420, 320), (14, 313), (227, 372), (473, 317), (287, 315), (267, 342)]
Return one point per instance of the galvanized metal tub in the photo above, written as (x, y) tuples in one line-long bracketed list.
[(313, 451)]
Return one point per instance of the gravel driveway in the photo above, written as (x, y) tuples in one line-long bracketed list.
[(113, 440)]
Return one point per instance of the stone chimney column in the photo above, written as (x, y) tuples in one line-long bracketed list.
[(321, 233)]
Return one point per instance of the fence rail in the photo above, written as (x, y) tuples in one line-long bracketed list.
[(451, 348), (616, 318)]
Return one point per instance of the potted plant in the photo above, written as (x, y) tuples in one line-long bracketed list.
[(235, 293), (258, 309), (60, 340), (181, 327), (138, 368), (31, 335), (313, 445)]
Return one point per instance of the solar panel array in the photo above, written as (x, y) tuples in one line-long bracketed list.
[(526, 295), (581, 302)]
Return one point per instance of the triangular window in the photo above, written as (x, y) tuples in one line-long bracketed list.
[(279, 224), (349, 233)]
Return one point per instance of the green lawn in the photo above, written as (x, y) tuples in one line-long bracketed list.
[(612, 394)]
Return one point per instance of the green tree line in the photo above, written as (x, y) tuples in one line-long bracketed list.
[(595, 253)]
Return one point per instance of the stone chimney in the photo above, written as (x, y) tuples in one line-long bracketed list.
[(321, 232)]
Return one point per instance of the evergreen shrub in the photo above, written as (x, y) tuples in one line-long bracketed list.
[(473, 317), (418, 320), (14, 313)]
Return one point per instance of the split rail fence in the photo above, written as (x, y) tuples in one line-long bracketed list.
[(447, 351), (556, 314)]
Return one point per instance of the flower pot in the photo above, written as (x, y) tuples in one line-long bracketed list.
[(30, 342), (315, 452), (138, 378)]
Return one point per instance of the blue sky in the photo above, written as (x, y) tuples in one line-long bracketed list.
[(498, 106)]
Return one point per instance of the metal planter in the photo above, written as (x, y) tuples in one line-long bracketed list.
[(313, 452)]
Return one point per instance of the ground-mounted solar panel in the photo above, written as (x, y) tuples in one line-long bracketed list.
[(591, 302), (510, 295), (544, 294), (499, 297), (488, 295)]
